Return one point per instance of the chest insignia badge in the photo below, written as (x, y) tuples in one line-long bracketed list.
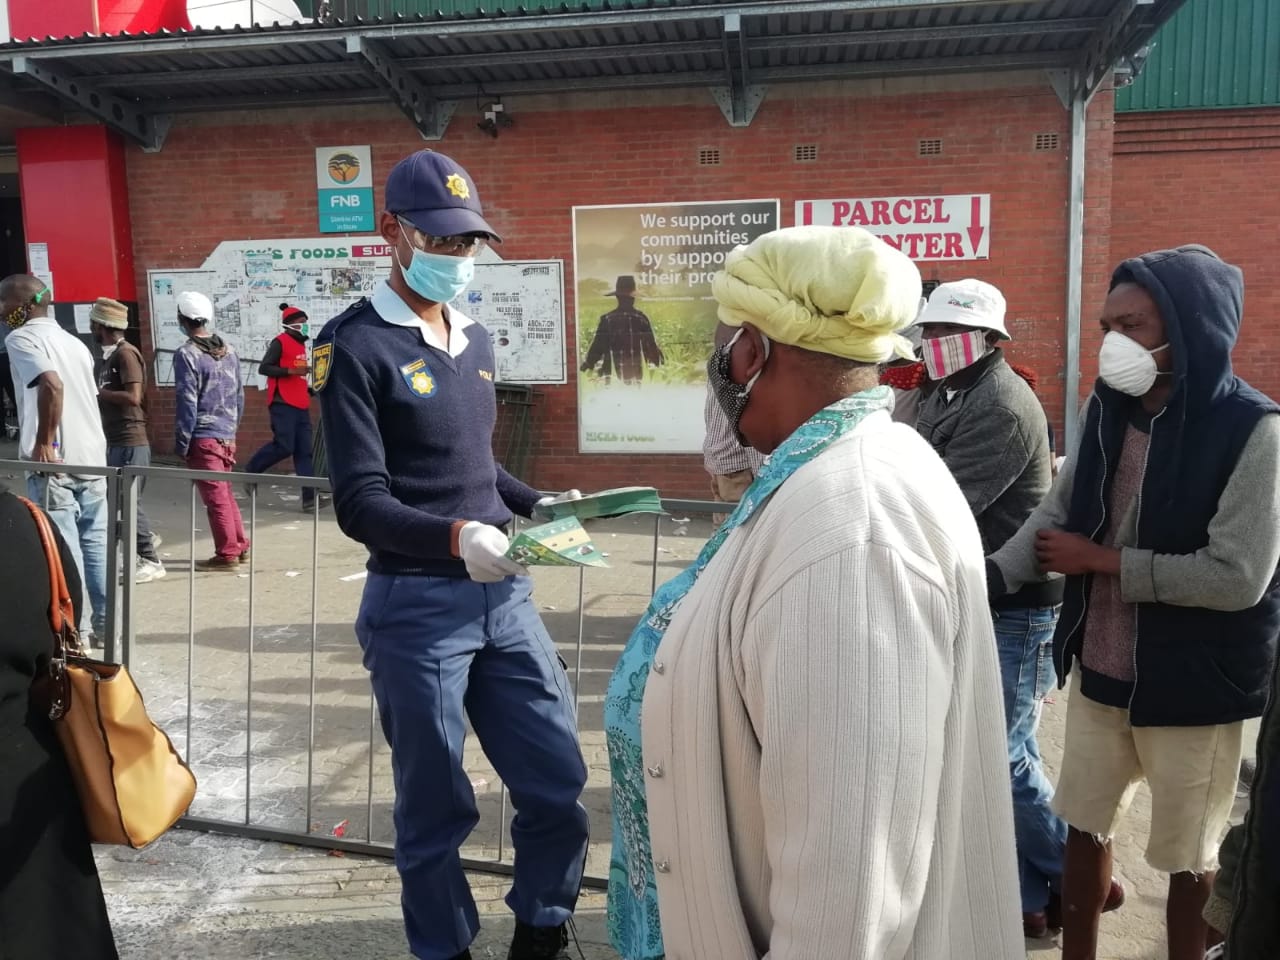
[(418, 376)]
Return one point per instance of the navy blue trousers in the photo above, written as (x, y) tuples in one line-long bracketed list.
[(290, 437), (440, 650)]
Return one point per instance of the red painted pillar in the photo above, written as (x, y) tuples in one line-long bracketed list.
[(75, 199)]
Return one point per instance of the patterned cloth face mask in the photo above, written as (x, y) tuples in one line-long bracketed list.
[(20, 315), (732, 397), (944, 356)]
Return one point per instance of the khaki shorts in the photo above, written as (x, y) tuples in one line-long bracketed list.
[(730, 487), (1191, 771)]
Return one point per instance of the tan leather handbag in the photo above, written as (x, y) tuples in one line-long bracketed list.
[(133, 786)]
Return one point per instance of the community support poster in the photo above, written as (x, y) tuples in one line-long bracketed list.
[(646, 319)]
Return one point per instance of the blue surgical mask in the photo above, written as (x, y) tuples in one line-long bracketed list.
[(435, 277)]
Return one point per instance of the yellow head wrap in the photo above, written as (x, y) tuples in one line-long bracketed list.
[(836, 290)]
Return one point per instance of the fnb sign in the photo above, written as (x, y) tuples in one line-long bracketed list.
[(924, 228)]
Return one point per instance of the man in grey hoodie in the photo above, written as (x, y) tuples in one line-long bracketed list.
[(1166, 523)]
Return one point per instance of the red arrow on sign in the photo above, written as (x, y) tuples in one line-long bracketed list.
[(976, 229)]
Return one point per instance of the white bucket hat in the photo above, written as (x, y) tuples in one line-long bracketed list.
[(968, 303)]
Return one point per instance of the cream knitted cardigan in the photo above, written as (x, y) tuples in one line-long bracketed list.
[(823, 727)]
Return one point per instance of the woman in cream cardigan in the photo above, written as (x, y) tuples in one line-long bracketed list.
[(805, 730)]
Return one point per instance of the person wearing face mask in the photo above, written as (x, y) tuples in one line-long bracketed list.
[(908, 378), (1166, 523), (805, 726), (122, 384), (985, 422), (209, 400), (732, 466), (288, 402), (60, 424), (448, 630)]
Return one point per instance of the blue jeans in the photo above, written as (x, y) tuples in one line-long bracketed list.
[(440, 650), (136, 457), (78, 507), (290, 438), (1024, 639)]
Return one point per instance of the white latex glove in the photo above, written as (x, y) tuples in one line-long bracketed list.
[(483, 550), (542, 507)]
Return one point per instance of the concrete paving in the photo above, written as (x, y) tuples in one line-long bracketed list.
[(245, 722)]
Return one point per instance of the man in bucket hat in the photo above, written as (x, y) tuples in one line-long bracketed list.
[(987, 425), (406, 386), (122, 383)]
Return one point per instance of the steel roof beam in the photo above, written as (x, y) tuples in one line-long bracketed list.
[(534, 23), (656, 80), (429, 115), (738, 99), (142, 127), (622, 51), (1106, 46)]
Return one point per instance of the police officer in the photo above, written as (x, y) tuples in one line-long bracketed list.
[(406, 385)]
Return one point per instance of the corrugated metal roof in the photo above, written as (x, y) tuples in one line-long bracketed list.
[(651, 43), (1212, 54)]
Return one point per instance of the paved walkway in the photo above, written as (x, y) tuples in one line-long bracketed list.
[(197, 895)]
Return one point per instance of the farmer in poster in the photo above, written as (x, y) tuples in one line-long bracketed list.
[(624, 342)]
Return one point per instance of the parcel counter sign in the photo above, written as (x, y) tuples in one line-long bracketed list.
[(924, 228)]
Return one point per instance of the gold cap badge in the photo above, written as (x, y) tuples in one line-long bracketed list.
[(458, 186)]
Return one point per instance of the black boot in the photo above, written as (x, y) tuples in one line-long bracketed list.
[(539, 943)]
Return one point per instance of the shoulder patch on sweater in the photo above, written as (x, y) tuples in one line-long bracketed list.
[(321, 361), (322, 349)]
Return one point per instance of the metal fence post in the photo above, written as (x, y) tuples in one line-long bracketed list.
[(191, 620), (128, 528), (109, 642), (248, 681)]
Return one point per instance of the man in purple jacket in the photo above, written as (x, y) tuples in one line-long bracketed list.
[(210, 402)]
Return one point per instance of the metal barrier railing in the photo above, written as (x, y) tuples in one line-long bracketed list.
[(140, 638)]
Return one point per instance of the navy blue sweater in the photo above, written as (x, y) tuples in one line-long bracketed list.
[(408, 434)]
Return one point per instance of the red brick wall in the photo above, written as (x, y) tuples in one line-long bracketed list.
[(252, 176), (1208, 177)]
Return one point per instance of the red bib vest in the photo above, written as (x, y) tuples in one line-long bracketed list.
[(292, 390)]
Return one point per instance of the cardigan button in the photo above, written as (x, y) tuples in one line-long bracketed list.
[(659, 667), (656, 770), (663, 866)]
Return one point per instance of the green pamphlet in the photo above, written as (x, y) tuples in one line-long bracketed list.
[(560, 543), (618, 502)]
